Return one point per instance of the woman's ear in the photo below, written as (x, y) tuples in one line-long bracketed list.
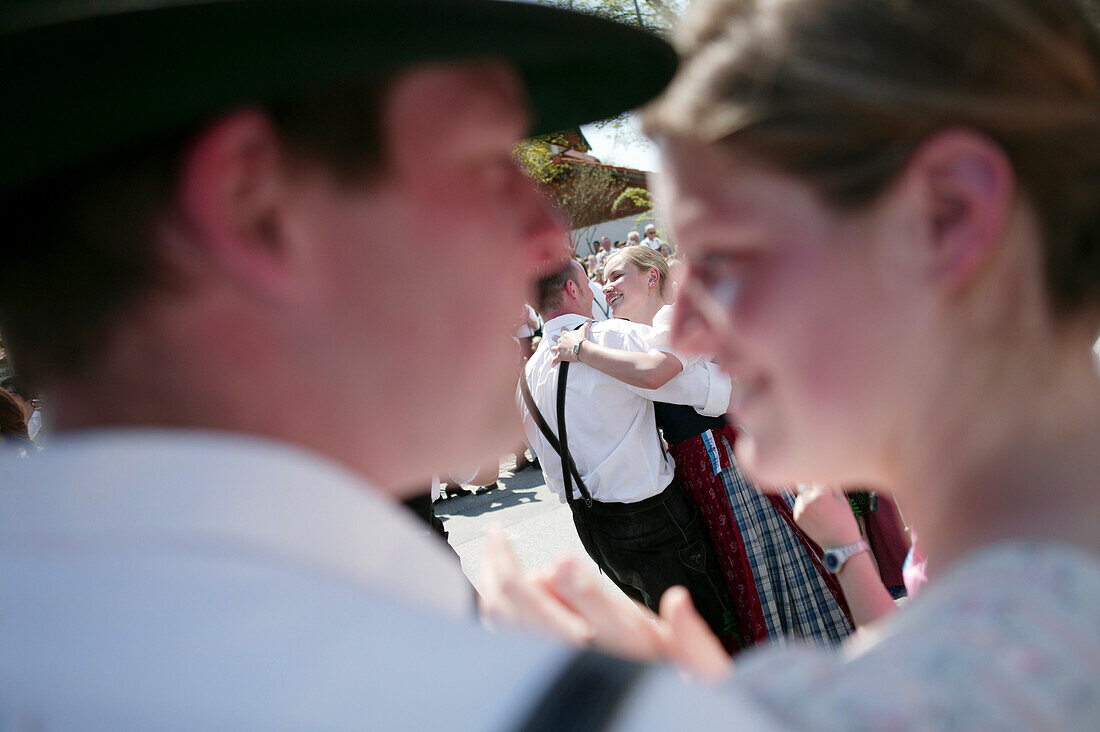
[(968, 190)]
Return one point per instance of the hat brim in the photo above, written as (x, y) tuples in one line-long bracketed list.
[(80, 85)]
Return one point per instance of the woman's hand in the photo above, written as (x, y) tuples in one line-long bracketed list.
[(824, 513), (563, 349)]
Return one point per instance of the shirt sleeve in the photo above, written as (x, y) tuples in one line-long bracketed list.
[(703, 387), (660, 338)]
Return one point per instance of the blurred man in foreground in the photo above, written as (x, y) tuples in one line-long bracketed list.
[(195, 196)]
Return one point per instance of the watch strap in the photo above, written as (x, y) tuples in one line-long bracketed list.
[(836, 557)]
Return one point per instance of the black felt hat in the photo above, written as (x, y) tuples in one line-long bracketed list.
[(82, 79)]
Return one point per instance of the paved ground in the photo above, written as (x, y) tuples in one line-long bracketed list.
[(539, 525)]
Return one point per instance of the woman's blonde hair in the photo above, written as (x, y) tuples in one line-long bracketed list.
[(841, 92), (645, 259)]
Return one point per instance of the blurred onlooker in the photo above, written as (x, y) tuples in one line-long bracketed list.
[(28, 403), (590, 264), (665, 250), (633, 239), (605, 249), (529, 330), (13, 421), (529, 326), (651, 239)]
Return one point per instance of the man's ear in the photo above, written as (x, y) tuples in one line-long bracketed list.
[(968, 187), (231, 187)]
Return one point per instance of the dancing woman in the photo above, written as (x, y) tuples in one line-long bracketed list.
[(779, 587)]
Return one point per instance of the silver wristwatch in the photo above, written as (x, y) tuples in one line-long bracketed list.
[(835, 558), (577, 349)]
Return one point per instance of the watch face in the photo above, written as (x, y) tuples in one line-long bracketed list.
[(831, 561)]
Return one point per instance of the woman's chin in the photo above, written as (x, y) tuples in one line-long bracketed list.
[(774, 463), (621, 313), (747, 451), (769, 467)]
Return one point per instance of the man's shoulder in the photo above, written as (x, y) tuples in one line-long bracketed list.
[(540, 359), (242, 643), (618, 328), (621, 334)]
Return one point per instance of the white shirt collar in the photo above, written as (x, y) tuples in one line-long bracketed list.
[(224, 492), (552, 328)]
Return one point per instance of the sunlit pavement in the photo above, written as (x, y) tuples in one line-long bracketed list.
[(539, 525)]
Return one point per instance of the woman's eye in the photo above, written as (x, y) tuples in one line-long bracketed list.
[(723, 264), (499, 176)]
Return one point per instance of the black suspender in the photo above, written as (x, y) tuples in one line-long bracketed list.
[(568, 467), (586, 695), (605, 309)]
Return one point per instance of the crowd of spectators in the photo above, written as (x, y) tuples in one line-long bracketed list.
[(603, 248)]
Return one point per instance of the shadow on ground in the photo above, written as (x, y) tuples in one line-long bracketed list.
[(514, 489)]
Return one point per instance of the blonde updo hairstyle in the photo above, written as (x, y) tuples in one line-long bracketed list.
[(645, 259), (841, 92)]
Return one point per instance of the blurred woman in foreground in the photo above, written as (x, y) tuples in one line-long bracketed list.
[(892, 214)]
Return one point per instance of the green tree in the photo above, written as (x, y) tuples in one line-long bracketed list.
[(585, 194), (581, 192), (655, 15)]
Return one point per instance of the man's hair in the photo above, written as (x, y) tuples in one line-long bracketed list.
[(13, 386), (13, 423), (550, 289), (80, 247)]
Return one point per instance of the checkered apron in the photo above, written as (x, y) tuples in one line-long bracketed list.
[(780, 588)]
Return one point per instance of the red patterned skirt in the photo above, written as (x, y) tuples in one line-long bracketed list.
[(780, 588)]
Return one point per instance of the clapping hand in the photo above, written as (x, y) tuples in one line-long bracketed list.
[(569, 601)]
